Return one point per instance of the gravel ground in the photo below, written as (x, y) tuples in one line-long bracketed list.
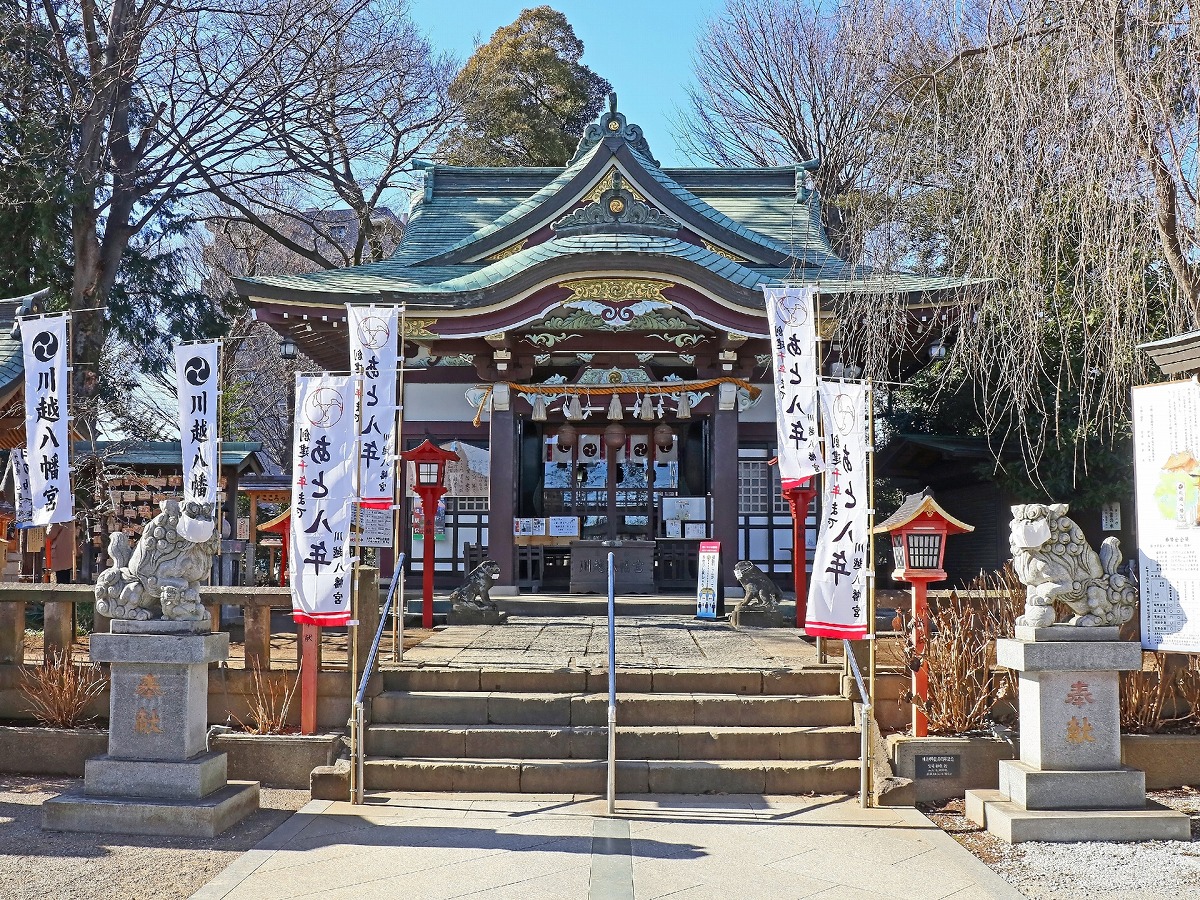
[(1154, 870), (52, 864)]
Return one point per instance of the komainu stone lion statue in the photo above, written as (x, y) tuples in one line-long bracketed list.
[(160, 578), (474, 589), (761, 594), (1054, 562), (471, 604)]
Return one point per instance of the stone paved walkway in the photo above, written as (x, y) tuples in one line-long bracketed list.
[(642, 642), (498, 847)]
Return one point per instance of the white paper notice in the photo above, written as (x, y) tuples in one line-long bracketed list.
[(1166, 431)]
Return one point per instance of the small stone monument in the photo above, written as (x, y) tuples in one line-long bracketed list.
[(1069, 784), (158, 776)]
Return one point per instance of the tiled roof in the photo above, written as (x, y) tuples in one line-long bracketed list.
[(461, 207), (238, 455)]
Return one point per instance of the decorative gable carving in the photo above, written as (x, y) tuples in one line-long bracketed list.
[(613, 124), (617, 210)]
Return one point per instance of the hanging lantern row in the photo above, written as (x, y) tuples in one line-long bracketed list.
[(645, 408)]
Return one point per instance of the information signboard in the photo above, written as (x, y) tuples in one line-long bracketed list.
[(1166, 430), (710, 599)]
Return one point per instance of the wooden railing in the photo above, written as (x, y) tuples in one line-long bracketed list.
[(59, 601)]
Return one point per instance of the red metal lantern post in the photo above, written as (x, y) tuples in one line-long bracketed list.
[(429, 462), (919, 529), (799, 500)]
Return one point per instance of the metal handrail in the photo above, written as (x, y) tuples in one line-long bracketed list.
[(864, 785), (612, 685), (357, 715)]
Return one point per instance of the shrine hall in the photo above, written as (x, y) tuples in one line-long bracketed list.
[(592, 340)]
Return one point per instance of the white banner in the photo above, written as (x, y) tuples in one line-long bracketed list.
[(322, 499), (373, 358), (44, 342), (792, 319), (196, 381), (1166, 441), (20, 474), (838, 598)]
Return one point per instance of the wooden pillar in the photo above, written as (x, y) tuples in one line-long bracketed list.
[(12, 633), (368, 614), (257, 639), (502, 446), (59, 627), (309, 637), (723, 479)]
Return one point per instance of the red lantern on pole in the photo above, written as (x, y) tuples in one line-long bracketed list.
[(799, 500), (919, 529), (429, 462)]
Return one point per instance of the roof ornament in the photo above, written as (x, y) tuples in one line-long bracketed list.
[(617, 210), (613, 124), (806, 186)]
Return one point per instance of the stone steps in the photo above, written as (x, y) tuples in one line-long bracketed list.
[(574, 776), (590, 742), (544, 730), (542, 708), (816, 681)]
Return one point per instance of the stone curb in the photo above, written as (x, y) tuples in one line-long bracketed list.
[(985, 876)]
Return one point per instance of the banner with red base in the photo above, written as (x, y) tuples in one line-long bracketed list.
[(838, 600), (323, 467)]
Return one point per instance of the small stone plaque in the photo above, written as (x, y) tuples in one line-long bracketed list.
[(938, 765)]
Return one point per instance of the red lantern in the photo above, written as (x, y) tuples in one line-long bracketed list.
[(919, 529), (429, 461)]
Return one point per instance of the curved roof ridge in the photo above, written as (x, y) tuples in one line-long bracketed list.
[(529, 203), (716, 216)]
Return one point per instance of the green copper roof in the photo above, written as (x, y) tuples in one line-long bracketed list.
[(475, 213)]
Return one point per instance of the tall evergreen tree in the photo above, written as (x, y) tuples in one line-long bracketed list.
[(524, 96)]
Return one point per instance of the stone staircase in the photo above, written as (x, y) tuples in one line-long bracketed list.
[(678, 731)]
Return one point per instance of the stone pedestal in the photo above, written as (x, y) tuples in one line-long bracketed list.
[(1069, 784), (466, 614), (158, 776)]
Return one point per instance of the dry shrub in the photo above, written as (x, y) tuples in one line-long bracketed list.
[(269, 705), (59, 690), (1165, 698), (960, 653)]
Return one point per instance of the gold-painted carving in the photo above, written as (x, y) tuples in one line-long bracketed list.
[(614, 125), (617, 289), (606, 183), (508, 251), (721, 251), (418, 328), (148, 688), (616, 206), (1080, 732), (146, 719), (147, 722)]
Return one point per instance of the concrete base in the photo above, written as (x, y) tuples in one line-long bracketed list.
[(204, 818), (1122, 788), (1014, 824), (463, 614), (106, 776)]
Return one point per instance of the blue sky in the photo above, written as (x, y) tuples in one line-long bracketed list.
[(643, 48)]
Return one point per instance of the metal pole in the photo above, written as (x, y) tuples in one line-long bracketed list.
[(612, 686), (871, 658)]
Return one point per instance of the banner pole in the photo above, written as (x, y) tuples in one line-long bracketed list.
[(398, 608), (869, 722)]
